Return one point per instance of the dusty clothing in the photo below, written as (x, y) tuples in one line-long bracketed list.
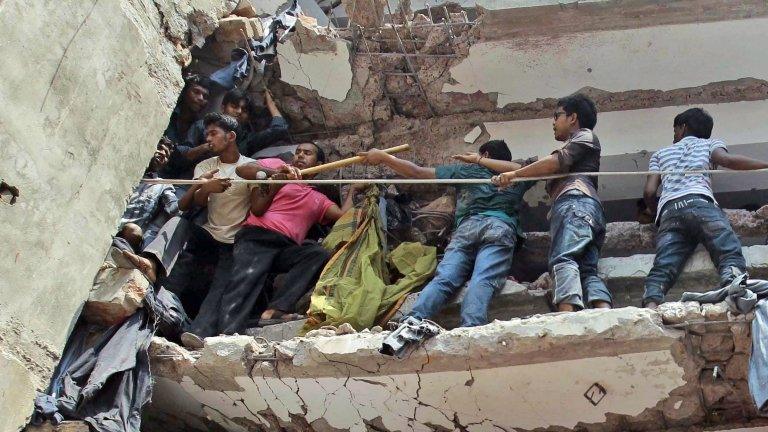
[(357, 286), (580, 153), (758, 360), (484, 199), (105, 380), (294, 209), (149, 206), (684, 223), (577, 229), (688, 154), (250, 142), (226, 210), (178, 166), (257, 253), (201, 250), (480, 252)]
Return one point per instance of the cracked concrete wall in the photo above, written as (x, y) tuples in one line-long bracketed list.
[(87, 89), (662, 58), (503, 376), (316, 62), (642, 62)]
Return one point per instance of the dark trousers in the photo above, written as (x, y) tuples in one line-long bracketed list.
[(257, 253), (685, 222), (577, 229), (202, 250)]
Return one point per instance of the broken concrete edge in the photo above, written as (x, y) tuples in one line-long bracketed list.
[(619, 330), (311, 370)]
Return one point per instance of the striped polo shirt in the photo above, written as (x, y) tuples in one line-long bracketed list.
[(690, 153)]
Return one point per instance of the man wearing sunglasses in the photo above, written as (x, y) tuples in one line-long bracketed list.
[(577, 220)]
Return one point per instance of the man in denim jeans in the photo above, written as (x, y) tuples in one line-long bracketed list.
[(577, 221), (482, 245), (688, 213)]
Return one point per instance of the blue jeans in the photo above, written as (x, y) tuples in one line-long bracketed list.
[(480, 250), (685, 222), (577, 229)]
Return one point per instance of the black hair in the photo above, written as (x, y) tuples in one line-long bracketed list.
[(583, 106), (235, 96), (497, 149), (320, 152), (200, 80), (699, 123), (225, 122)]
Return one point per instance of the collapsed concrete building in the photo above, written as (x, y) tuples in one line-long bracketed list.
[(76, 133)]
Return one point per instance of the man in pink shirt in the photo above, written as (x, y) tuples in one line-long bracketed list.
[(271, 240)]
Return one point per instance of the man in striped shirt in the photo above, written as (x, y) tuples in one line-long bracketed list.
[(687, 211)]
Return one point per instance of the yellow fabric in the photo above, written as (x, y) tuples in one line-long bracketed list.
[(355, 286)]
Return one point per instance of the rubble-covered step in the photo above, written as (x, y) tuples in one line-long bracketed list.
[(625, 277), (626, 238), (608, 370), (277, 332)]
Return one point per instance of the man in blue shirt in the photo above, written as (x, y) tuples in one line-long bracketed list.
[(487, 230)]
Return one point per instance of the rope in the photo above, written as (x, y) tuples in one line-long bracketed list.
[(457, 181)]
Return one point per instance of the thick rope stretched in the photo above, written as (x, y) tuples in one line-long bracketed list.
[(458, 181)]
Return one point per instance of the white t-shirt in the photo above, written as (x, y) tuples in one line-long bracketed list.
[(688, 154), (226, 210)]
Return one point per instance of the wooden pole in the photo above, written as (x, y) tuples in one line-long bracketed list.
[(349, 161)]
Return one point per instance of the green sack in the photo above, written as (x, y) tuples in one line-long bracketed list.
[(355, 286)]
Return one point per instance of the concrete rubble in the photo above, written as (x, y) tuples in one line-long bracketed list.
[(654, 368), (89, 92), (379, 82), (118, 291)]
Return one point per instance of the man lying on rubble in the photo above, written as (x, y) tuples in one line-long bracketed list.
[(577, 219), (687, 211), (487, 230), (272, 240), (151, 205), (227, 205)]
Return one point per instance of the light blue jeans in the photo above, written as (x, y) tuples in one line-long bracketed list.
[(480, 250), (577, 229)]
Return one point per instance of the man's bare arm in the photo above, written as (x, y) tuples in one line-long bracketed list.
[(335, 212), (499, 166), (652, 183), (722, 158), (401, 166), (250, 171)]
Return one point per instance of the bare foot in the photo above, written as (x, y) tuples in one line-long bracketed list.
[(144, 265), (269, 314), (599, 304), (651, 305), (565, 307)]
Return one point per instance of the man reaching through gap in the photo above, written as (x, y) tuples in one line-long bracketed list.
[(688, 213), (577, 220), (487, 229)]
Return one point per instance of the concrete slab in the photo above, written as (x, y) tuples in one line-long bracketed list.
[(500, 376)]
